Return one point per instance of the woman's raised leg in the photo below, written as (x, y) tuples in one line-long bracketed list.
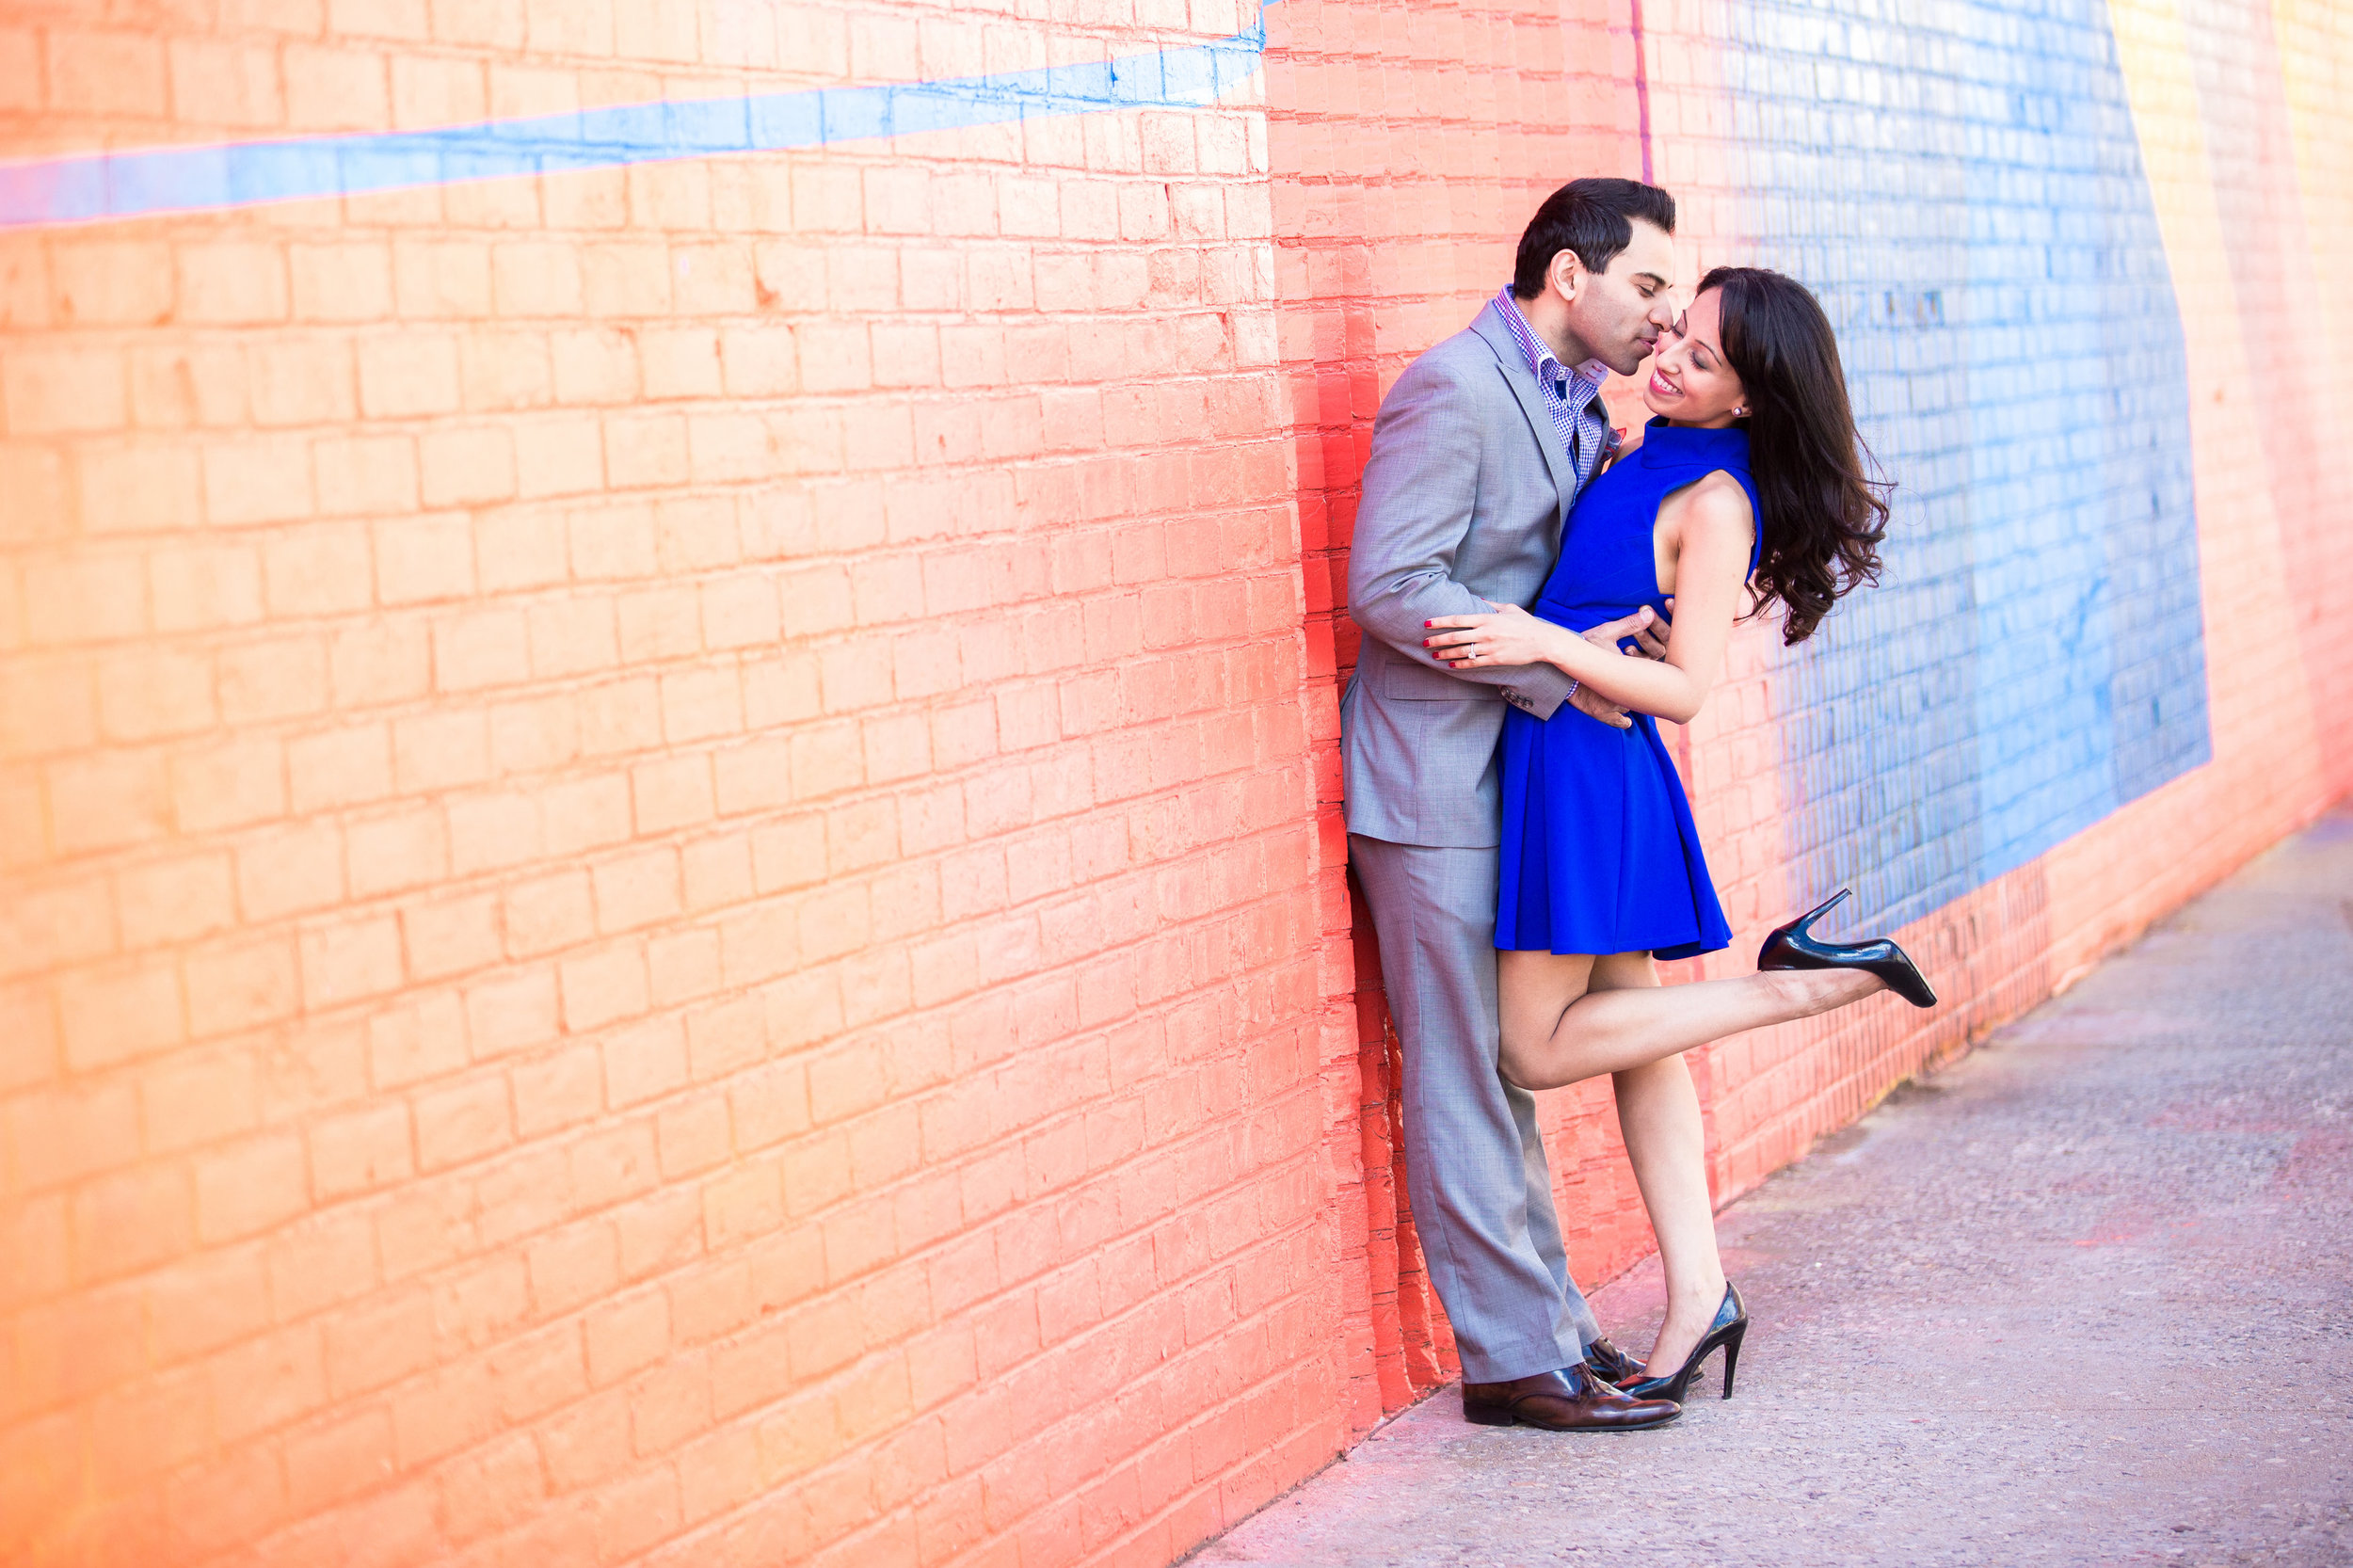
[(1555, 1035)]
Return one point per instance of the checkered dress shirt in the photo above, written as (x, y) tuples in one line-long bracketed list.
[(1573, 398)]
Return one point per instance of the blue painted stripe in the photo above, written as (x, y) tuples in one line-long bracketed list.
[(94, 187)]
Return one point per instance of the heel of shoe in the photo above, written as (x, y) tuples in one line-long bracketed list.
[(1731, 1355), (1489, 1416), (1803, 925), (1786, 946)]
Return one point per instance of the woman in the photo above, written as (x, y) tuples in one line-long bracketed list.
[(1749, 480)]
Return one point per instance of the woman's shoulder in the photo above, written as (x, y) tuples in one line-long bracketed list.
[(1719, 500)]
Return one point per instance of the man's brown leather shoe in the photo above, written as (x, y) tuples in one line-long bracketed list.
[(1570, 1400), (1614, 1365)]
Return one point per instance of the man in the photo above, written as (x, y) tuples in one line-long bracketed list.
[(1477, 454)]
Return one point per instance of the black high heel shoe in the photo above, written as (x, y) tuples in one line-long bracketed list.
[(1793, 947), (1730, 1327)]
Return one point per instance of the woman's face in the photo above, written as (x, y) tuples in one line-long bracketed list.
[(1689, 381)]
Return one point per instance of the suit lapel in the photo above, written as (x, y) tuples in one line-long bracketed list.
[(1490, 327)]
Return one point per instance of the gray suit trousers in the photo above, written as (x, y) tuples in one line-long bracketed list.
[(1488, 1230)]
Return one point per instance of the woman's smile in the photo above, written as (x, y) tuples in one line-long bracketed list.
[(1661, 387)]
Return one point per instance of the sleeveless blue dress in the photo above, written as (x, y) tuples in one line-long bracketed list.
[(1599, 851)]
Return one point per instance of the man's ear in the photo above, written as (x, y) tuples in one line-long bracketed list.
[(1567, 274)]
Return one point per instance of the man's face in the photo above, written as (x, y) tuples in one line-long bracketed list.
[(1619, 313)]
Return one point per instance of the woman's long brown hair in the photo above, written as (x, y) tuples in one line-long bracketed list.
[(1825, 514)]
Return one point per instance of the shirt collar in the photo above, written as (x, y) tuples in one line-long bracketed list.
[(1543, 361)]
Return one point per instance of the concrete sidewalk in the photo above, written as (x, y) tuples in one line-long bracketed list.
[(2085, 1298)]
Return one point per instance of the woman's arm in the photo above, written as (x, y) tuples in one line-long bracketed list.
[(1711, 552)]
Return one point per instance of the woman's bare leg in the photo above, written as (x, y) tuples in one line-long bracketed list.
[(1570, 1016), (1658, 1111), (1556, 1031)]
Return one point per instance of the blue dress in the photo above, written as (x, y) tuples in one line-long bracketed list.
[(1599, 851)]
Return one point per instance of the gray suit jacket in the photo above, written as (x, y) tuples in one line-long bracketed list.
[(1464, 495)]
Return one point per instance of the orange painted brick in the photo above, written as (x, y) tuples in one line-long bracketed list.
[(232, 283), (48, 928), (571, 1269), (335, 89), (319, 570), (554, 1092), (549, 912), (510, 1012), (467, 468), (113, 1015), (365, 476), (644, 1062), (670, 795), (534, 1374), (239, 986), (341, 1459), (685, 966), (360, 1152), (486, 831), (238, 1496), (396, 851), (350, 960), (131, 1220), (409, 373), (290, 871), (105, 73), (436, 279), (420, 559), (197, 1100), (267, 1382), (340, 280), (227, 84), (496, 1487), (249, 1186), (587, 1444), (533, 735), (106, 281), (141, 1431), (86, 600), (477, 650), (340, 767), (462, 1121), (635, 891), (276, 679), (502, 371), (301, 383), (144, 696), (73, 1132), (450, 936), (642, 451)]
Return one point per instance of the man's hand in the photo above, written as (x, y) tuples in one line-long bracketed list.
[(1594, 706), (1648, 628), (1649, 633)]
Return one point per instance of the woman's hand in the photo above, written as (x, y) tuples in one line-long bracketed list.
[(1508, 636)]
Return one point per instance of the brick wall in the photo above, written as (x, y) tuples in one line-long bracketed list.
[(671, 887)]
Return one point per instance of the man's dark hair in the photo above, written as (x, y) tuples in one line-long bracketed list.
[(1593, 217)]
